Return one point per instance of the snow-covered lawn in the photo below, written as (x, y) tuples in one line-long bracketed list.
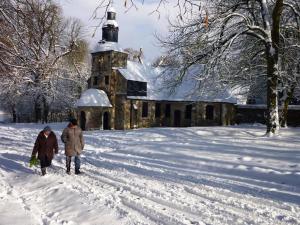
[(199, 175)]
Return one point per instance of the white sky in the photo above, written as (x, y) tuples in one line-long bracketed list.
[(136, 27)]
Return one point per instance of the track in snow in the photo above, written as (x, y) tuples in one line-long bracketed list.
[(220, 175)]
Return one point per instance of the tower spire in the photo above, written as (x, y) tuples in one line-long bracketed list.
[(110, 29)]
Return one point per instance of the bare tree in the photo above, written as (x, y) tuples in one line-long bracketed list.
[(41, 48), (165, 61), (238, 37), (135, 55), (289, 59)]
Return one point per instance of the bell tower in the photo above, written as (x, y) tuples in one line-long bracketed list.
[(110, 29)]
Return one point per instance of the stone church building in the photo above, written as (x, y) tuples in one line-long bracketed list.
[(124, 94)]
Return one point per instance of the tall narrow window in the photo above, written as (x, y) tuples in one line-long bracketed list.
[(106, 80), (89, 83), (188, 112), (209, 112), (157, 110), (145, 109), (101, 62), (168, 111), (95, 81)]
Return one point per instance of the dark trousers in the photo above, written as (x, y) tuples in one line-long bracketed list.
[(45, 162), (77, 162)]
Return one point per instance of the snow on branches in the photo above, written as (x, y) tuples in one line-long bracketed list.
[(242, 44), (44, 53)]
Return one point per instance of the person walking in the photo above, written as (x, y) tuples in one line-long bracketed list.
[(72, 137), (45, 146)]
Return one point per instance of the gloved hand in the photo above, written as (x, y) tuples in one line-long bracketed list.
[(33, 161)]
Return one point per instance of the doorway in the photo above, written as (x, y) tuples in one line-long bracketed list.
[(82, 120), (106, 121), (177, 118)]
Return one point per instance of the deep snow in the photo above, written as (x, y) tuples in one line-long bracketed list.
[(199, 175)]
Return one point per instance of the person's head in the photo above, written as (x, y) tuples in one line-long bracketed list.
[(47, 130), (73, 122)]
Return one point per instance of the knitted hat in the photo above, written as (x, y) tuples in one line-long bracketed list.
[(47, 128), (73, 121)]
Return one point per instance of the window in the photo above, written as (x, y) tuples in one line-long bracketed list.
[(136, 88), (188, 112), (145, 109), (89, 83), (101, 60), (104, 63), (106, 80), (168, 111), (251, 101), (157, 110), (95, 81), (209, 112)]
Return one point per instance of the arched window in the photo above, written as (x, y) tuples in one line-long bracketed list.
[(95, 81), (209, 112), (82, 120)]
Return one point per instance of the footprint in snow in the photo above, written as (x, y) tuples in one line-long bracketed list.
[(293, 166)]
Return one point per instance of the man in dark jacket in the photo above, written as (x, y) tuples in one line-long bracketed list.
[(73, 138), (45, 146)]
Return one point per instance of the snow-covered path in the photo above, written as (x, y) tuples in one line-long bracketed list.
[(200, 175)]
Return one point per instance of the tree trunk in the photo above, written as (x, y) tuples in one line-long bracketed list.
[(45, 110), (14, 114), (284, 111), (272, 96), (38, 109), (272, 54)]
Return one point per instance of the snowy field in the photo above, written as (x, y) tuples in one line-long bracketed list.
[(199, 175)]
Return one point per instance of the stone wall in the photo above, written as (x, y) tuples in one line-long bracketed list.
[(223, 114), (257, 113), (93, 117)]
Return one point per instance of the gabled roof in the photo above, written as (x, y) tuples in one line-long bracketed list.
[(188, 90), (93, 98), (134, 71)]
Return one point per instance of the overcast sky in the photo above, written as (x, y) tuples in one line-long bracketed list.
[(136, 27)]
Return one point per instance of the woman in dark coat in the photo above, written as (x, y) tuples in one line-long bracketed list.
[(45, 146)]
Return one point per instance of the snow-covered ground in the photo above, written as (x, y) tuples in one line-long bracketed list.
[(199, 175)]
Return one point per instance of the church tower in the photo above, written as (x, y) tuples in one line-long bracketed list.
[(107, 58), (110, 29)]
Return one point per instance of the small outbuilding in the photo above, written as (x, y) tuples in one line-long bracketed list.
[(94, 110)]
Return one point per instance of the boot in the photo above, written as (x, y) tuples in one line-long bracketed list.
[(68, 165), (68, 170), (43, 171), (77, 172)]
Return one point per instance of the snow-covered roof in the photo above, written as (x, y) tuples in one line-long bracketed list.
[(110, 22), (93, 97), (264, 106), (111, 9), (107, 46), (186, 91), (134, 71)]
